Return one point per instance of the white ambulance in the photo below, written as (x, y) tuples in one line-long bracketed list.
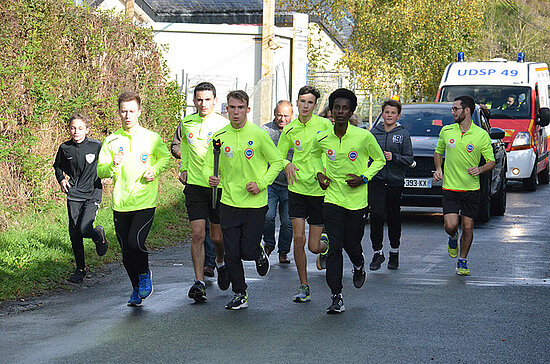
[(516, 93)]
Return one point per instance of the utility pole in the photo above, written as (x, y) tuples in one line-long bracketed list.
[(130, 9), (268, 42)]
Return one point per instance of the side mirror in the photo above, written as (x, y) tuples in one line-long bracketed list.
[(497, 133), (544, 116)]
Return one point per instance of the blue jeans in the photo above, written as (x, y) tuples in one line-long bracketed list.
[(278, 194), (209, 250)]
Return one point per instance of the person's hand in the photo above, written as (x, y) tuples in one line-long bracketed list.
[(290, 171), (149, 175), (354, 180), (474, 171), (213, 181), (183, 177), (65, 185), (388, 156), (438, 175), (253, 188), (119, 157), (324, 181)]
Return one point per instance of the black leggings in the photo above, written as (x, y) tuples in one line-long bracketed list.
[(82, 215), (132, 228)]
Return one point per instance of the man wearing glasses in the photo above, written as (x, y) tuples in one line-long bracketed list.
[(463, 144)]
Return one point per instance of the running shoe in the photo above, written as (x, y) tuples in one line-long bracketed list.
[(77, 276), (102, 245), (145, 285), (303, 294), (394, 261), (262, 263), (359, 276), (337, 305), (322, 257), (239, 301), (452, 246), (462, 267), (377, 260), (135, 299), (269, 249), (223, 277), (197, 292)]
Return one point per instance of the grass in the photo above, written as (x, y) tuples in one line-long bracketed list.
[(36, 253)]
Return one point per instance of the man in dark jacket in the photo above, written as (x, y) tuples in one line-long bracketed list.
[(278, 190), (386, 187)]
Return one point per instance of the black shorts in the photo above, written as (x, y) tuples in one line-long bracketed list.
[(198, 201), (306, 207), (464, 203)]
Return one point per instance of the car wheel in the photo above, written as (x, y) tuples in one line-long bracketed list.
[(543, 176), (484, 209), (498, 202), (530, 184)]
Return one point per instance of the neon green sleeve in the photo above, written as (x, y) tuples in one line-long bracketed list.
[(105, 165), (283, 147), (487, 149), (184, 150), (317, 159), (208, 165), (162, 154), (276, 163), (440, 147), (376, 154)]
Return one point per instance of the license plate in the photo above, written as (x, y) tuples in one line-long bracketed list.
[(418, 182)]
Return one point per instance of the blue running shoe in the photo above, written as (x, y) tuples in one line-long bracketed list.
[(145, 285), (452, 247), (135, 299), (462, 267)]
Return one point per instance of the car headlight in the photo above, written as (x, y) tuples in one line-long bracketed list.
[(522, 139)]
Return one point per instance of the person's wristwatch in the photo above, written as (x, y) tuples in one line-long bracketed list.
[(365, 179)]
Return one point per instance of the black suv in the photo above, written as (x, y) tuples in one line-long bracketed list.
[(423, 122)]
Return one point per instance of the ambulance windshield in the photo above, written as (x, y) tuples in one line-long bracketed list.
[(504, 102)]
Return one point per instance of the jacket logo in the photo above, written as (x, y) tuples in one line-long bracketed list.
[(298, 144), (228, 151), (397, 139), (352, 155), (250, 142), (330, 154), (470, 148), (144, 157), (248, 153), (452, 143), (90, 158), (190, 135)]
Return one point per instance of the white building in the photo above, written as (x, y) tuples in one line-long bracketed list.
[(221, 42)]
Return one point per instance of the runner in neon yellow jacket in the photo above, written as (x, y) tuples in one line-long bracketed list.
[(248, 163), (133, 156)]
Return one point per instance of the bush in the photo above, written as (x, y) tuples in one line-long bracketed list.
[(58, 59)]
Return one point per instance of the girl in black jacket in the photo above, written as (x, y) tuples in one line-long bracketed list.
[(76, 171)]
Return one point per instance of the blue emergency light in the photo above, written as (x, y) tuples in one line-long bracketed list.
[(460, 57), (521, 57)]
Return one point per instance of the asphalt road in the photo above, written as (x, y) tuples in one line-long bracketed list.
[(422, 313)]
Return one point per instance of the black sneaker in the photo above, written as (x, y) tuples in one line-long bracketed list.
[(223, 277), (78, 276), (359, 276), (239, 301), (197, 292), (101, 245), (394, 261), (377, 260), (262, 263), (337, 305)]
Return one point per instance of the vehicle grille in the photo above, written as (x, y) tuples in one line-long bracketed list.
[(424, 168)]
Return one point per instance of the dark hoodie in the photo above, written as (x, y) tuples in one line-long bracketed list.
[(398, 142)]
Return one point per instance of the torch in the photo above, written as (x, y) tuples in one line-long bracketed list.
[(217, 144)]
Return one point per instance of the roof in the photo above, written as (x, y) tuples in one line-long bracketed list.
[(228, 12)]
